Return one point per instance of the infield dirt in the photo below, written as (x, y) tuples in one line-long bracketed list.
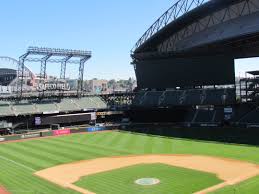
[(230, 171)]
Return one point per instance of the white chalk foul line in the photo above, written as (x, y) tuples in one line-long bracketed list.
[(17, 164)]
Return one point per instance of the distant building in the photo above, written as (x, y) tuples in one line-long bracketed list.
[(72, 83), (98, 86), (7, 76)]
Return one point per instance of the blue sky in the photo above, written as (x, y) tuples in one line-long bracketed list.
[(108, 28)]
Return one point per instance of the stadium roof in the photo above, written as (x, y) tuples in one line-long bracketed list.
[(5, 71), (254, 73)]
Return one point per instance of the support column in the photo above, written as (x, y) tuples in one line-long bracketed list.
[(81, 75), (63, 72), (43, 69), (20, 75), (80, 82), (64, 67)]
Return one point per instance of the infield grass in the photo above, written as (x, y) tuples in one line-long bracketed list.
[(19, 160), (250, 186), (172, 180)]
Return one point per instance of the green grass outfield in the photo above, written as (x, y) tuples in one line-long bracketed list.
[(19, 160), (171, 179)]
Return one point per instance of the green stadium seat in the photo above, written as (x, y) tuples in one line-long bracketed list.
[(24, 109), (68, 105)]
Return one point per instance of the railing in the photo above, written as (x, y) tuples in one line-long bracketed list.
[(178, 9)]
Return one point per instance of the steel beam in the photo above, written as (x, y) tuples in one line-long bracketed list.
[(80, 82), (177, 10), (20, 74), (43, 70), (231, 12), (64, 67), (44, 55)]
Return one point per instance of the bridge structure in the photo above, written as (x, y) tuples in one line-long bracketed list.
[(196, 42)]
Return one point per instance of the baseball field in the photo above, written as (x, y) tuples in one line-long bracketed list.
[(120, 162)]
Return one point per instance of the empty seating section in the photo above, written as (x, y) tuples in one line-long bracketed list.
[(98, 102), (47, 107), (219, 116), (189, 116), (138, 98), (194, 97), (90, 103), (152, 99), (185, 97), (242, 111), (204, 116), (93, 102), (251, 118), (172, 98), (5, 109), (24, 109), (82, 103), (67, 105)]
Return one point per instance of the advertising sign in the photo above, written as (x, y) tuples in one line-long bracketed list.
[(2, 139), (93, 116), (61, 132), (93, 129), (53, 87), (37, 121), (32, 135), (228, 110)]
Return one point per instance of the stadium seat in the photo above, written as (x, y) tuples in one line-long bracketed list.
[(67, 105), (24, 108), (5, 109), (46, 107)]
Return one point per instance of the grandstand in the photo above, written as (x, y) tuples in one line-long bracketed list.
[(170, 98), (34, 113), (50, 106), (184, 64)]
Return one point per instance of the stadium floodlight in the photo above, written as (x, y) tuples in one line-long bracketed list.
[(58, 52), (45, 55)]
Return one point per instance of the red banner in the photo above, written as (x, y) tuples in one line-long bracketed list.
[(61, 132)]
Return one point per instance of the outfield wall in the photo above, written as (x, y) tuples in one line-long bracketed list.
[(24, 136), (67, 131), (248, 136)]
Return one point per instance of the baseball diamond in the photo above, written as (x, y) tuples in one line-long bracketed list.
[(98, 162)]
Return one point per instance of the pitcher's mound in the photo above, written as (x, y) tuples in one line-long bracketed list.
[(147, 181)]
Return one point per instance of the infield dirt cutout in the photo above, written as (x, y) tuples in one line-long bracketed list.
[(230, 171)]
